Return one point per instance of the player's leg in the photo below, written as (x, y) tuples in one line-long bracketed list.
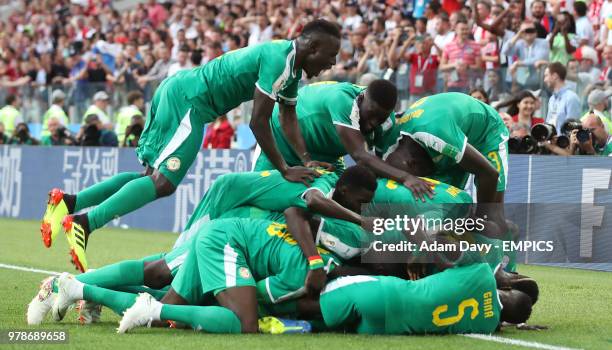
[(71, 290), (60, 204), (179, 138)]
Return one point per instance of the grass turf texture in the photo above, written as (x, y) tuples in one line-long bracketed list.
[(575, 304)]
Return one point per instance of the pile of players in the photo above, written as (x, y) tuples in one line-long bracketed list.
[(284, 248)]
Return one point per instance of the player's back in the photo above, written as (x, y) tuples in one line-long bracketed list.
[(318, 105), (229, 80), (448, 201), (458, 300), (473, 117)]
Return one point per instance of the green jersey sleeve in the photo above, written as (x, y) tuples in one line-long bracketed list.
[(345, 239), (343, 110), (275, 70)]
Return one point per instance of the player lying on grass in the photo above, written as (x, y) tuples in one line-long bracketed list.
[(225, 261), (355, 187), (458, 300), (462, 136), (182, 105), (268, 190), (337, 119)]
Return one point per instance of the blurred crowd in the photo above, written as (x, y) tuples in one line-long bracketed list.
[(60, 58)]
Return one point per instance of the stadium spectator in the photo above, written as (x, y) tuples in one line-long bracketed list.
[(606, 72), (563, 103), (10, 115), (99, 108), (460, 58), (423, 69), (56, 110), (159, 71), (544, 21), (93, 133), (21, 136), (58, 134), (135, 100), (599, 102), (584, 27), (444, 34), (529, 53), (562, 40), (219, 134), (182, 61), (519, 130), (522, 109), (480, 94), (133, 131)]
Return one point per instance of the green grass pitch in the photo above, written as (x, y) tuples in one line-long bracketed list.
[(575, 304)]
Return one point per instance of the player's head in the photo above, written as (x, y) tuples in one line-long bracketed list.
[(411, 157), (516, 306), (355, 187), (318, 46), (375, 104)]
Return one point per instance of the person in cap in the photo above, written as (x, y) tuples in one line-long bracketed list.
[(100, 103), (598, 101), (55, 111)]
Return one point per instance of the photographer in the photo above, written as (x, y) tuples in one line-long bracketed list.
[(21, 136), (93, 133), (599, 141), (58, 134), (133, 131)]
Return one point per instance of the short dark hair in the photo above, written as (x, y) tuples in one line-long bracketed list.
[(517, 308), (10, 99), (540, 1), (184, 48), (558, 68), (581, 8), (321, 26), (485, 4), (90, 118), (383, 92), (132, 96), (358, 176)]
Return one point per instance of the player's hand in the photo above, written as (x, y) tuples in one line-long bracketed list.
[(318, 164), (367, 223), (530, 327), (416, 271), (300, 174), (418, 187), (315, 281)]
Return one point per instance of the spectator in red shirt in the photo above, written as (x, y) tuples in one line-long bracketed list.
[(157, 13), (219, 134), (522, 108), (423, 69), (460, 59)]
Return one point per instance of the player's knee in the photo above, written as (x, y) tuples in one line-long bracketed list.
[(163, 186), (157, 275)]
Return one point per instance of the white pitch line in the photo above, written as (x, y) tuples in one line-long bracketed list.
[(28, 269), (527, 344)]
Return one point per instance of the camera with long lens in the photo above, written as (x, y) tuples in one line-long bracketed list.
[(582, 135), (539, 133), (522, 145)]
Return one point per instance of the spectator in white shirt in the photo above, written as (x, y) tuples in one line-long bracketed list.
[(260, 28), (353, 19), (182, 61), (444, 36), (584, 27)]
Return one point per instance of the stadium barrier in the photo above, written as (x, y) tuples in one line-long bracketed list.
[(565, 199)]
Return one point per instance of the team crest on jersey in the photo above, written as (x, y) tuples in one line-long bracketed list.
[(173, 164), (265, 173), (244, 272)]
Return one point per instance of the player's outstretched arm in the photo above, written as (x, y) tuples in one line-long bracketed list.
[(260, 125), (486, 177), (316, 202), (298, 224), (356, 146)]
